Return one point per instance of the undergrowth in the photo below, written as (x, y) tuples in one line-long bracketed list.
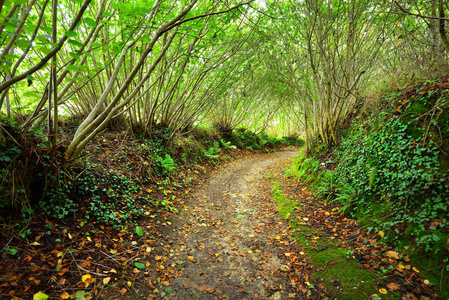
[(392, 174)]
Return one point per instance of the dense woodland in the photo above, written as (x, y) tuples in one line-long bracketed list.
[(111, 100)]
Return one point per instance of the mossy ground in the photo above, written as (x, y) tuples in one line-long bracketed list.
[(333, 265)]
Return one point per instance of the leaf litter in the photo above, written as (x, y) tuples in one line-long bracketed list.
[(227, 242)]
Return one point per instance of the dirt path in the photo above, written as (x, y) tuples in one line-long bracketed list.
[(227, 242)]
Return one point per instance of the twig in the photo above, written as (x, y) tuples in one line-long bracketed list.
[(95, 273), (8, 134)]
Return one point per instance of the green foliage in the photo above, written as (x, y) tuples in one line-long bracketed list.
[(167, 164), (213, 151), (326, 190), (109, 198), (227, 145), (384, 163)]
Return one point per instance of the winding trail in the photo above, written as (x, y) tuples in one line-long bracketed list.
[(225, 237)]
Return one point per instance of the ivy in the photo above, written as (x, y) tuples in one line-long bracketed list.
[(383, 171)]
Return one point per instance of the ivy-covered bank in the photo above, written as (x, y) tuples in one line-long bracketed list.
[(390, 172)]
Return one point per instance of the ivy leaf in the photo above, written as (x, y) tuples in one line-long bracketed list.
[(139, 265), (139, 231)]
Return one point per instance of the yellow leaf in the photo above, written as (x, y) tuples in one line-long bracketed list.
[(232, 245), (401, 266), (249, 251), (426, 281), (129, 284), (106, 280), (393, 254), (86, 277), (302, 253), (65, 295), (278, 237), (383, 291), (415, 269), (382, 234), (40, 296), (89, 239), (251, 235), (216, 254), (190, 258)]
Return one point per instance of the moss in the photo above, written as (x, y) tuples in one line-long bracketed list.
[(342, 277)]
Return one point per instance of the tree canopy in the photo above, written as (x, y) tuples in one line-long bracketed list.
[(179, 64)]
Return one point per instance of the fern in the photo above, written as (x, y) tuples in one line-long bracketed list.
[(212, 151), (167, 163), (227, 145)]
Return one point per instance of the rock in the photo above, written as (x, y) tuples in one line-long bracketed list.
[(284, 268), (375, 297)]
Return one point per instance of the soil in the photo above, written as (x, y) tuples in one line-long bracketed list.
[(227, 242)]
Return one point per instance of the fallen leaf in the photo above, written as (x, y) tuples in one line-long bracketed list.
[(65, 295), (129, 283), (86, 277), (383, 291), (106, 280), (157, 257), (415, 269), (40, 296), (190, 258), (393, 254), (382, 234), (284, 268), (123, 291), (392, 286)]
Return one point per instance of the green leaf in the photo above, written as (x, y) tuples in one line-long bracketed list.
[(239, 217), (20, 1), (9, 63), (22, 43), (139, 265), (12, 251), (139, 231), (72, 68), (168, 290), (76, 43), (74, 55), (90, 22), (71, 33), (15, 21), (40, 296), (30, 94), (10, 56)]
